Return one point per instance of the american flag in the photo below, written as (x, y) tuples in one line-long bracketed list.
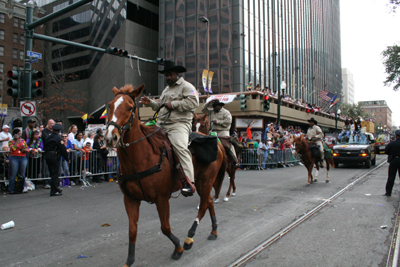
[(325, 95)]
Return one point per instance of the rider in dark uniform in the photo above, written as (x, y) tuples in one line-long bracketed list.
[(393, 150), (54, 149)]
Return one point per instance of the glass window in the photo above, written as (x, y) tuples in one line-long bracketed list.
[(169, 10), (169, 30), (214, 39), (191, 23), (180, 26), (21, 54), (179, 46), (169, 47), (213, 4), (2, 67), (226, 39), (191, 64), (22, 39), (226, 76), (201, 42), (15, 67), (226, 15), (226, 58), (213, 18), (180, 9), (1, 50), (15, 53), (214, 60), (16, 24), (22, 23), (201, 6), (190, 43), (201, 62), (15, 38), (2, 16), (226, 88), (190, 7), (226, 3), (179, 61), (190, 77)]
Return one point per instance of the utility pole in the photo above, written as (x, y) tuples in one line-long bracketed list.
[(279, 95)]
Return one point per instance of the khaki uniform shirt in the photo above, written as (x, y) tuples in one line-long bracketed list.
[(223, 118), (316, 132), (184, 99)]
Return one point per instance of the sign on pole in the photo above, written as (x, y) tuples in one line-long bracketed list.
[(28, 108), (34, 54)]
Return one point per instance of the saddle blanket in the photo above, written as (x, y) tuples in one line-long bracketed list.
[(205, 147)]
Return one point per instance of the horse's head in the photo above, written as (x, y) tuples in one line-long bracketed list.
[(300, 143), (200, 124), (121, 113)]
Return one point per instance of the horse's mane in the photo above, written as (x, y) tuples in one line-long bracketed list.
[(127, 88), (155, 140)]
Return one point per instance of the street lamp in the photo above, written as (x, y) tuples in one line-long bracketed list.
[(338, 111), (282, 87), (206, 21)]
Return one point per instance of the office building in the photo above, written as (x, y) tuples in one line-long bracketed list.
[(348, 87), (379, 111)]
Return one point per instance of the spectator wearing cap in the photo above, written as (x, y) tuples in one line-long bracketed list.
[(27, 133), (5, 136)]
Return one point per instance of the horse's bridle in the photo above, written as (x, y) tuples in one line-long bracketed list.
[(298, 150)]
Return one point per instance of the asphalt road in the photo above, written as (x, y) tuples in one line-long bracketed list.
[(54, 231)]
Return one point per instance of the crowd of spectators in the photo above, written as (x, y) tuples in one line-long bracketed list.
[(22, 155)]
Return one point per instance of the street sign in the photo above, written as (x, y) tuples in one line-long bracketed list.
[(28, 108), (33, 60), (33, 54)]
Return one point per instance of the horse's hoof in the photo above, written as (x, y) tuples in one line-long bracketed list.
[(216, 200), (327, 181), (315, 180), (176, 255), (233, 194), (187, 246), (307, 185), (212, 237), (226, 199), (311, 182)]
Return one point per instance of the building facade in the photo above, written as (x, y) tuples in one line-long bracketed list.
[(251, 39), (12, 43), (125, 24), (348, 87), (379, 111)]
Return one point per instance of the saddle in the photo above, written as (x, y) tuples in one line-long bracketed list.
[(314, 148), (228, 141), (204, 147)]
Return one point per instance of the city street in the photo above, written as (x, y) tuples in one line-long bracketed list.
[(347, 232)]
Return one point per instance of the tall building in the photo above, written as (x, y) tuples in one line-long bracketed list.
[(250, 39), (379, 111), (12, 43), (125, 24), (348, 86)]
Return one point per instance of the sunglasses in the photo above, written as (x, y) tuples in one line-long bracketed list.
[(64, 136)]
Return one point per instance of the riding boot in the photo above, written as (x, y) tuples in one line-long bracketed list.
[(188, 188)]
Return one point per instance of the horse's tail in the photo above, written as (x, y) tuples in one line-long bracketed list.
[(331, 162), (221, 172)]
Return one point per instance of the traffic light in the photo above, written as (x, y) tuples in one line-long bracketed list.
[(14, 83), (117, 52), (36, 83), (243, 101), (266, 103)]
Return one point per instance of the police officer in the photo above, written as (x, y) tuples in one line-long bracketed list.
[(54, 149), (315, 134), (393, 151), (221, 119), (180, 97)]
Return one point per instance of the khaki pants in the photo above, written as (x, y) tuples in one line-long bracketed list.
[(321, 148), (178, 134), (233, 152)]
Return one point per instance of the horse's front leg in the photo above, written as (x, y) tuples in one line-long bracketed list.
[(204, 202), (327, 171), (213, 235), (132, 209), (163, 212), (309, 169)]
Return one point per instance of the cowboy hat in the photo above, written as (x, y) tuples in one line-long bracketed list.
[(216, 102), (170, 66), (312, 120)]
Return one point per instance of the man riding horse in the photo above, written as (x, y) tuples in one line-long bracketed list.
[(222, 120), (181, 99), (316, 135)]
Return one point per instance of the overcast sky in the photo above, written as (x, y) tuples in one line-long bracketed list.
[(367, 28)]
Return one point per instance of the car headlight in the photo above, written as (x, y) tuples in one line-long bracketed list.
[(362, 151)]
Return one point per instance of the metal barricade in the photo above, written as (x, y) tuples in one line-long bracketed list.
[(249, 159), (78, 166)]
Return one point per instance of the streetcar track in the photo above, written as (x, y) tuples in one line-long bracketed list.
[(254, 252)]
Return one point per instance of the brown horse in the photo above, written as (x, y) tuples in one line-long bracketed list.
[(146, 171), (303, 149), (201, 124)]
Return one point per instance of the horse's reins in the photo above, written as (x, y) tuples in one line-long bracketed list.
[(128, 126)]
